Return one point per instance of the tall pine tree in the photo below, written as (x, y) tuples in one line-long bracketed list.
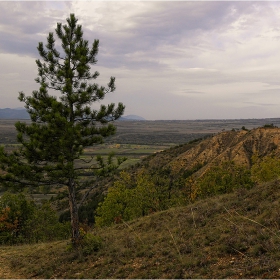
[(61, 127)]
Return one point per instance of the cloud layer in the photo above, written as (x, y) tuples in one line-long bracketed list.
[(171, 60)]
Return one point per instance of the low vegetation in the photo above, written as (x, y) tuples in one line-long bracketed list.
[(157, 185), (163, 217), (22, 221), (232, 235)]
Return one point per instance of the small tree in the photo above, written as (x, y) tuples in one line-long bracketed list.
[(61, 127), (15, 211)]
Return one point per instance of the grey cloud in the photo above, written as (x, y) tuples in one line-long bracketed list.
[(271, 91), (151, 52), (172, 20), (23, 16), (20, 44), (191, 92), (259, 104), (24, 23), (167, 24)]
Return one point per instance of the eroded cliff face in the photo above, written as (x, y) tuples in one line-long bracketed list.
[(236, 146)]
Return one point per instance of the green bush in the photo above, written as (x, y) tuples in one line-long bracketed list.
[(223, 179), (118, 204), (91, 243), (133, 197), (266, 169), (44, 226), (21, 221), (15, 211)]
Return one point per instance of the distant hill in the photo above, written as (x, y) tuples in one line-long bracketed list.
[(132, 118), (18, 113), (228, 146)]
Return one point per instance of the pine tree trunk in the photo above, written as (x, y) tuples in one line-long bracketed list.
[(74, 214)]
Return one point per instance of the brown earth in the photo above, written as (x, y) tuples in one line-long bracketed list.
[(5, 270), (236, 146)]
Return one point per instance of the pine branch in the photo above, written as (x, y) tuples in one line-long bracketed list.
[(86, 195)]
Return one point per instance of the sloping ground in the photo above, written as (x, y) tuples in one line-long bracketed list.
[(234, 235), (6, 272), (236, 146)]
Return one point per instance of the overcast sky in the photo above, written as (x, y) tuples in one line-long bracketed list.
[(171, 60)]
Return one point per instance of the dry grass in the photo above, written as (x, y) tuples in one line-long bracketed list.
[(230, 236)]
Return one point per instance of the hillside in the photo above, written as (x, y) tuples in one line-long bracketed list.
[(235, 146), (238, 147), (230, 236), (229, 229), (202, 168)]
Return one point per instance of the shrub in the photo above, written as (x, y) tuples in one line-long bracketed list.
[(271, 125), (265, 170), (15, 210), (21, 221), (118, 204), (91, 243), (44, 226), (130, 198), (223, 179)]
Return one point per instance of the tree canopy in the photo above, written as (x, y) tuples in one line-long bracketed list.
[(63, 122)]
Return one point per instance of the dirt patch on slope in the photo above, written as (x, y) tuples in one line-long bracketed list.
[(236, 146)]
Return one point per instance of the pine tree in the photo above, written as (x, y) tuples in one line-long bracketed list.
[(61, 127)]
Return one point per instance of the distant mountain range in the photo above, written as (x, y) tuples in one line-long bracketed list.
[(132, 118), (20, 113)]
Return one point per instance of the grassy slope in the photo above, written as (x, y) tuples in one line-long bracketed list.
[(231, 236)]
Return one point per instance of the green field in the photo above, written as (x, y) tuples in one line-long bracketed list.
[(132, 153), (137, 139), (165, 132)]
